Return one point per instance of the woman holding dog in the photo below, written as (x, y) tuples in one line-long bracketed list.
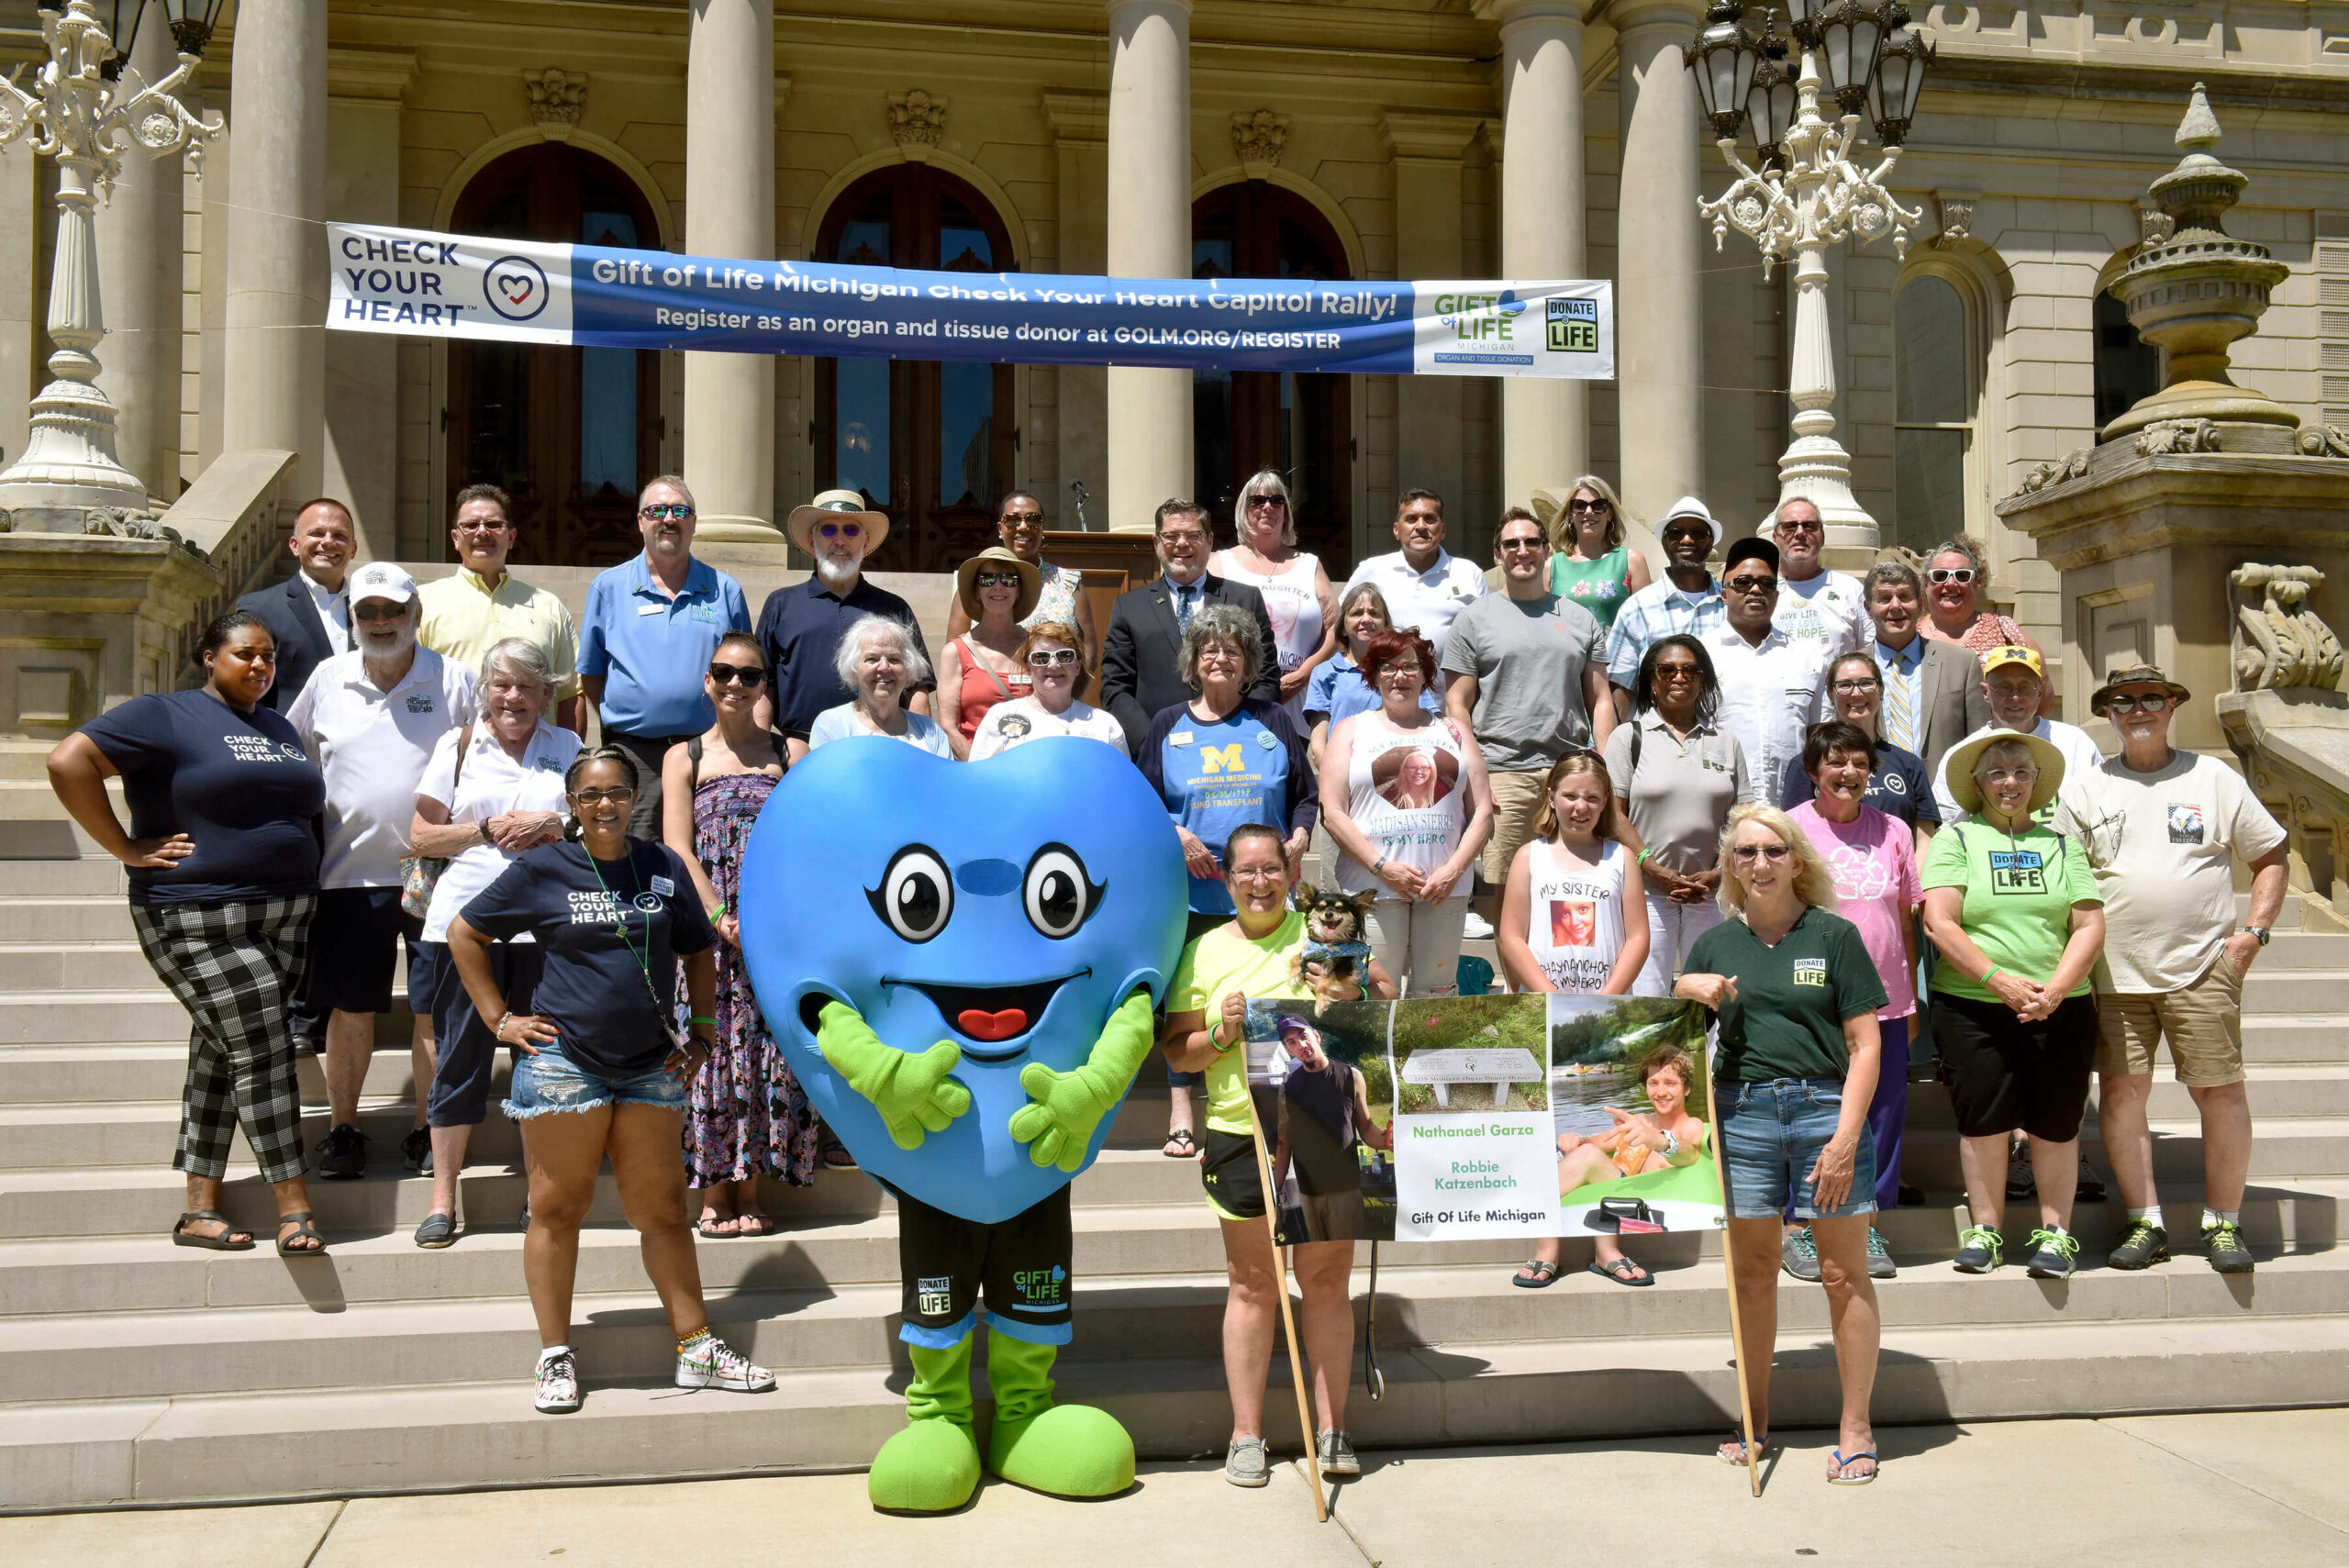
[(1404, 796), (1259, 952)]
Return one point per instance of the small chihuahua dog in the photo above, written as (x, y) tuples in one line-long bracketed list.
[(1334, 963)]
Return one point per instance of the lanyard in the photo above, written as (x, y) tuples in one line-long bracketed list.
[(619, 919)]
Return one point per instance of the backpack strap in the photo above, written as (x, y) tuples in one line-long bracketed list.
[(692, 755)]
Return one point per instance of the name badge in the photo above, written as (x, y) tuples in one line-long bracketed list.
[(662, 885), (1179, 737), (650, 609)]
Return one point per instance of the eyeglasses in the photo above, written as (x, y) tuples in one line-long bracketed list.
[(1045, 658), (1020, 519), (752, 675), (1747, 853), (1192, 536), (619, 795), (666, 512), (1754, 584), (1800, 526), (2151, 702), (483, 526), (1256, 874), (1853, 688), (1509, 544), (840, 530), (1256, 501), (1959, 574), (375, 610), (1599, 506), (996, 580)]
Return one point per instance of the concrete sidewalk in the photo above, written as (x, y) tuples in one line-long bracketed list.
[(2272, 1487)]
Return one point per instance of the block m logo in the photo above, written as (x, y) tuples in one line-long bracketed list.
[(1219, 758)]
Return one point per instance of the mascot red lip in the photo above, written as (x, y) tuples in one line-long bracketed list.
[(960, 961)]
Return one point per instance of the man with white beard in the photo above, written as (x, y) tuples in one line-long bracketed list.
[(800, 626)]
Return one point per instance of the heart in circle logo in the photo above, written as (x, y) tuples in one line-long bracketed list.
[(515, 287)]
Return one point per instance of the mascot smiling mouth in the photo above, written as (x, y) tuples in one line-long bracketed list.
[(990, 1013)]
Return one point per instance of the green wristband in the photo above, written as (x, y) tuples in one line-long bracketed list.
[(1987, 972), (711, 1022)]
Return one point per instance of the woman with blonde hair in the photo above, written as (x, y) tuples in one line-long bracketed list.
[(1795, 993), (1297, 595), (1592, 564)]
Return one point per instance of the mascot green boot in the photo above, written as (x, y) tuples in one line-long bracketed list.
[(932, 1467), (1070, 1450)]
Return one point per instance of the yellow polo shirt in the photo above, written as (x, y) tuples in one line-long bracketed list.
[(463, 617)]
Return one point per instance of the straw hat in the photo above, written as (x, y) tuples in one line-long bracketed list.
[(1969, 794), (1032, 581), (832, 507)]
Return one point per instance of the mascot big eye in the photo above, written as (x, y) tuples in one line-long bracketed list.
[(960, 961)]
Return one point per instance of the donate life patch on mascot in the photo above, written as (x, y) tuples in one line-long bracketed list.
[(959, 960)]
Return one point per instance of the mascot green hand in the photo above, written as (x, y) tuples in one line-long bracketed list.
[(959, 962)]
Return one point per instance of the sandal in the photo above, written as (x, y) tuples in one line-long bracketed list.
[(301, 1229), (225, 1242), (1181, 1145), (1621, 1271), (711, 1227), (1737, 1440), (1835, 1477), (1535, 1274), (756, 1225)]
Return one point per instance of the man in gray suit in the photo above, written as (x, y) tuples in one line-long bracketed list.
[(1932, 691)]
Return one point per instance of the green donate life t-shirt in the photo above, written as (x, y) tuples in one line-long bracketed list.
[(2019, 889), (1787, 1020)]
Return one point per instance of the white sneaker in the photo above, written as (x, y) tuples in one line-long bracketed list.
[(1477, 929), (716, 1364), (558, 1384)]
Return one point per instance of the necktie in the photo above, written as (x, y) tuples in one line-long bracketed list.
[(1185, 602), (1900, 708)]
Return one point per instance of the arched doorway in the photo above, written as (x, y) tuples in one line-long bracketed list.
[(930, 443), (1246, 420), (570, 433)]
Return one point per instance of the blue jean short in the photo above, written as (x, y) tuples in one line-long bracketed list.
[(1771, 1133), (551, 1082)]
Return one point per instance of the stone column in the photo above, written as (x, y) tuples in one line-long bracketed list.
[(1545, 424), (729, 211), (1659, 307), (139, 258), (1080, 124), (1150, 236), (1427, 149), (275, 366), (363, 92), (18, 223)]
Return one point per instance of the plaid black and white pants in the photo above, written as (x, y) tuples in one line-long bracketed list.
[(234, 966)]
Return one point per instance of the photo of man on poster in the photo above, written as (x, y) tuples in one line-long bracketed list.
[(1323, 1123)]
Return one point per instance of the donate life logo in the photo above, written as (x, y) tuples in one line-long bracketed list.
[(1573, 326), (515, 287)]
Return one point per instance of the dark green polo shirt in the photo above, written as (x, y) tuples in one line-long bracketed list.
[(1792, 999)]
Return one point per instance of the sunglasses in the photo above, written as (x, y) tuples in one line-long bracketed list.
[(1509, 544), (1748, 853), (1255, 501), (1045, 658), (1754, 584), (2151, 702), (1960, 574), (996, 580), (1020, 519), (840, 530), (619, 795), (752, 675), (1676, 671), (1588, 506), (374, 609), (666, 512)]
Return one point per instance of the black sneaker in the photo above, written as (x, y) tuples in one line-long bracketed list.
[(1980, 1250), (2224, 1242), (415, 1152), (2021, 1186), (2088, 1189), (343, 1155), (2055, 1254), (2144, 1244)]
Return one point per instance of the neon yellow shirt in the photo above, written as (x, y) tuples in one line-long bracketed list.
[(1215, 966)]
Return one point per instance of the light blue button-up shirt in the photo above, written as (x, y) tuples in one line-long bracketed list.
[(652, 650)]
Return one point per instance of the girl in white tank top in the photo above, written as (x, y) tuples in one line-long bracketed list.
[(1563, 926), (1407, 794)]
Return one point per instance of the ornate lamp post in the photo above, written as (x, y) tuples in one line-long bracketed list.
[(85, 107), (1808, 195)]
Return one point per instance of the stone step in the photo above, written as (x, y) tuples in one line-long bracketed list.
[(337, 1442), (133, 1016), (2308, 1146), (26, 837), (2277, 1094), (87, 918)]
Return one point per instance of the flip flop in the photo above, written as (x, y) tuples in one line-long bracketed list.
[(302, 1228), (220, 1243), (1181, 1145), (1837, 1478), (1620, 1271), (709, 1223), (1737, 1440), (1545, 1274), (755, 1225)]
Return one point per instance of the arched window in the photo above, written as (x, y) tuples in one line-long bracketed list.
[(1246, 420), (2128, 369), (569, 433), (929, 443), (1937, 381)]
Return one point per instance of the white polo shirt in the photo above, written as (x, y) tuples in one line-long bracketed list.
[(373, 745), (1769, 694), (1427, 601), (1827, 609), (490, 785)]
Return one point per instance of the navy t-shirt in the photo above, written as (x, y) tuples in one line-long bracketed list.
[(1898, 787), (238, 785), (594, 986)]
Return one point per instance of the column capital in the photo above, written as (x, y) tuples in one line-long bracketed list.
[(1554, 15), (1113, 6), (1634, 16), (379, 74), (1078, 120), (1442, 138)]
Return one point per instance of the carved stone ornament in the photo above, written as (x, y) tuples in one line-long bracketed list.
[(2170, 437), (2070, 466), (1957, 221), (2280, 641), (1259, 138), (2154, 227), (916, 118), (557, 96), (2323, 440)]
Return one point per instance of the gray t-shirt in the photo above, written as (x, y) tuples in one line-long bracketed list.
[(1528, 657), (1680, 794)]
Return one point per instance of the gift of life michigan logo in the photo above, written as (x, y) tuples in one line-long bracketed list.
[(1481, 317), (2017, 871), (1040, 1288)]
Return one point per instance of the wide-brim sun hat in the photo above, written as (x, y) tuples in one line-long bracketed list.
[(1969, 794), (2135, 675), (966, 582), (832, 507)]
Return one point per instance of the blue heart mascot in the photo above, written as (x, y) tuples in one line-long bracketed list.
[(961, 959)]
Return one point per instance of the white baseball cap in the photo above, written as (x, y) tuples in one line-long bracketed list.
[(382, 580), (1689, 506)]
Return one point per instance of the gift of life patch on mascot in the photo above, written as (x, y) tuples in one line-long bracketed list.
[(960, 961)]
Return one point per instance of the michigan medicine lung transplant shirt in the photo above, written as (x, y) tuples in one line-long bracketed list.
[(1249, 766), (593, 988), (237, 783), (1787, 1020)]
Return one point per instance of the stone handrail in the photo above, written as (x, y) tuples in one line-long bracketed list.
[(233, 517), (2288, 725)]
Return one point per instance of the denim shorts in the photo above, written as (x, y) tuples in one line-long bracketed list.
[(1770, 1134), (551, 1082)]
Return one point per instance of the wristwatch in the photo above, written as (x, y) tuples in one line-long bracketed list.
[(2259, 931), (484, 832)]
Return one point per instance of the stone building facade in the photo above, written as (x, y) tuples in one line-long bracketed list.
[(1371, 139)]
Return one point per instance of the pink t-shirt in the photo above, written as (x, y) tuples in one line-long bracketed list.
[(1874, 860)]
